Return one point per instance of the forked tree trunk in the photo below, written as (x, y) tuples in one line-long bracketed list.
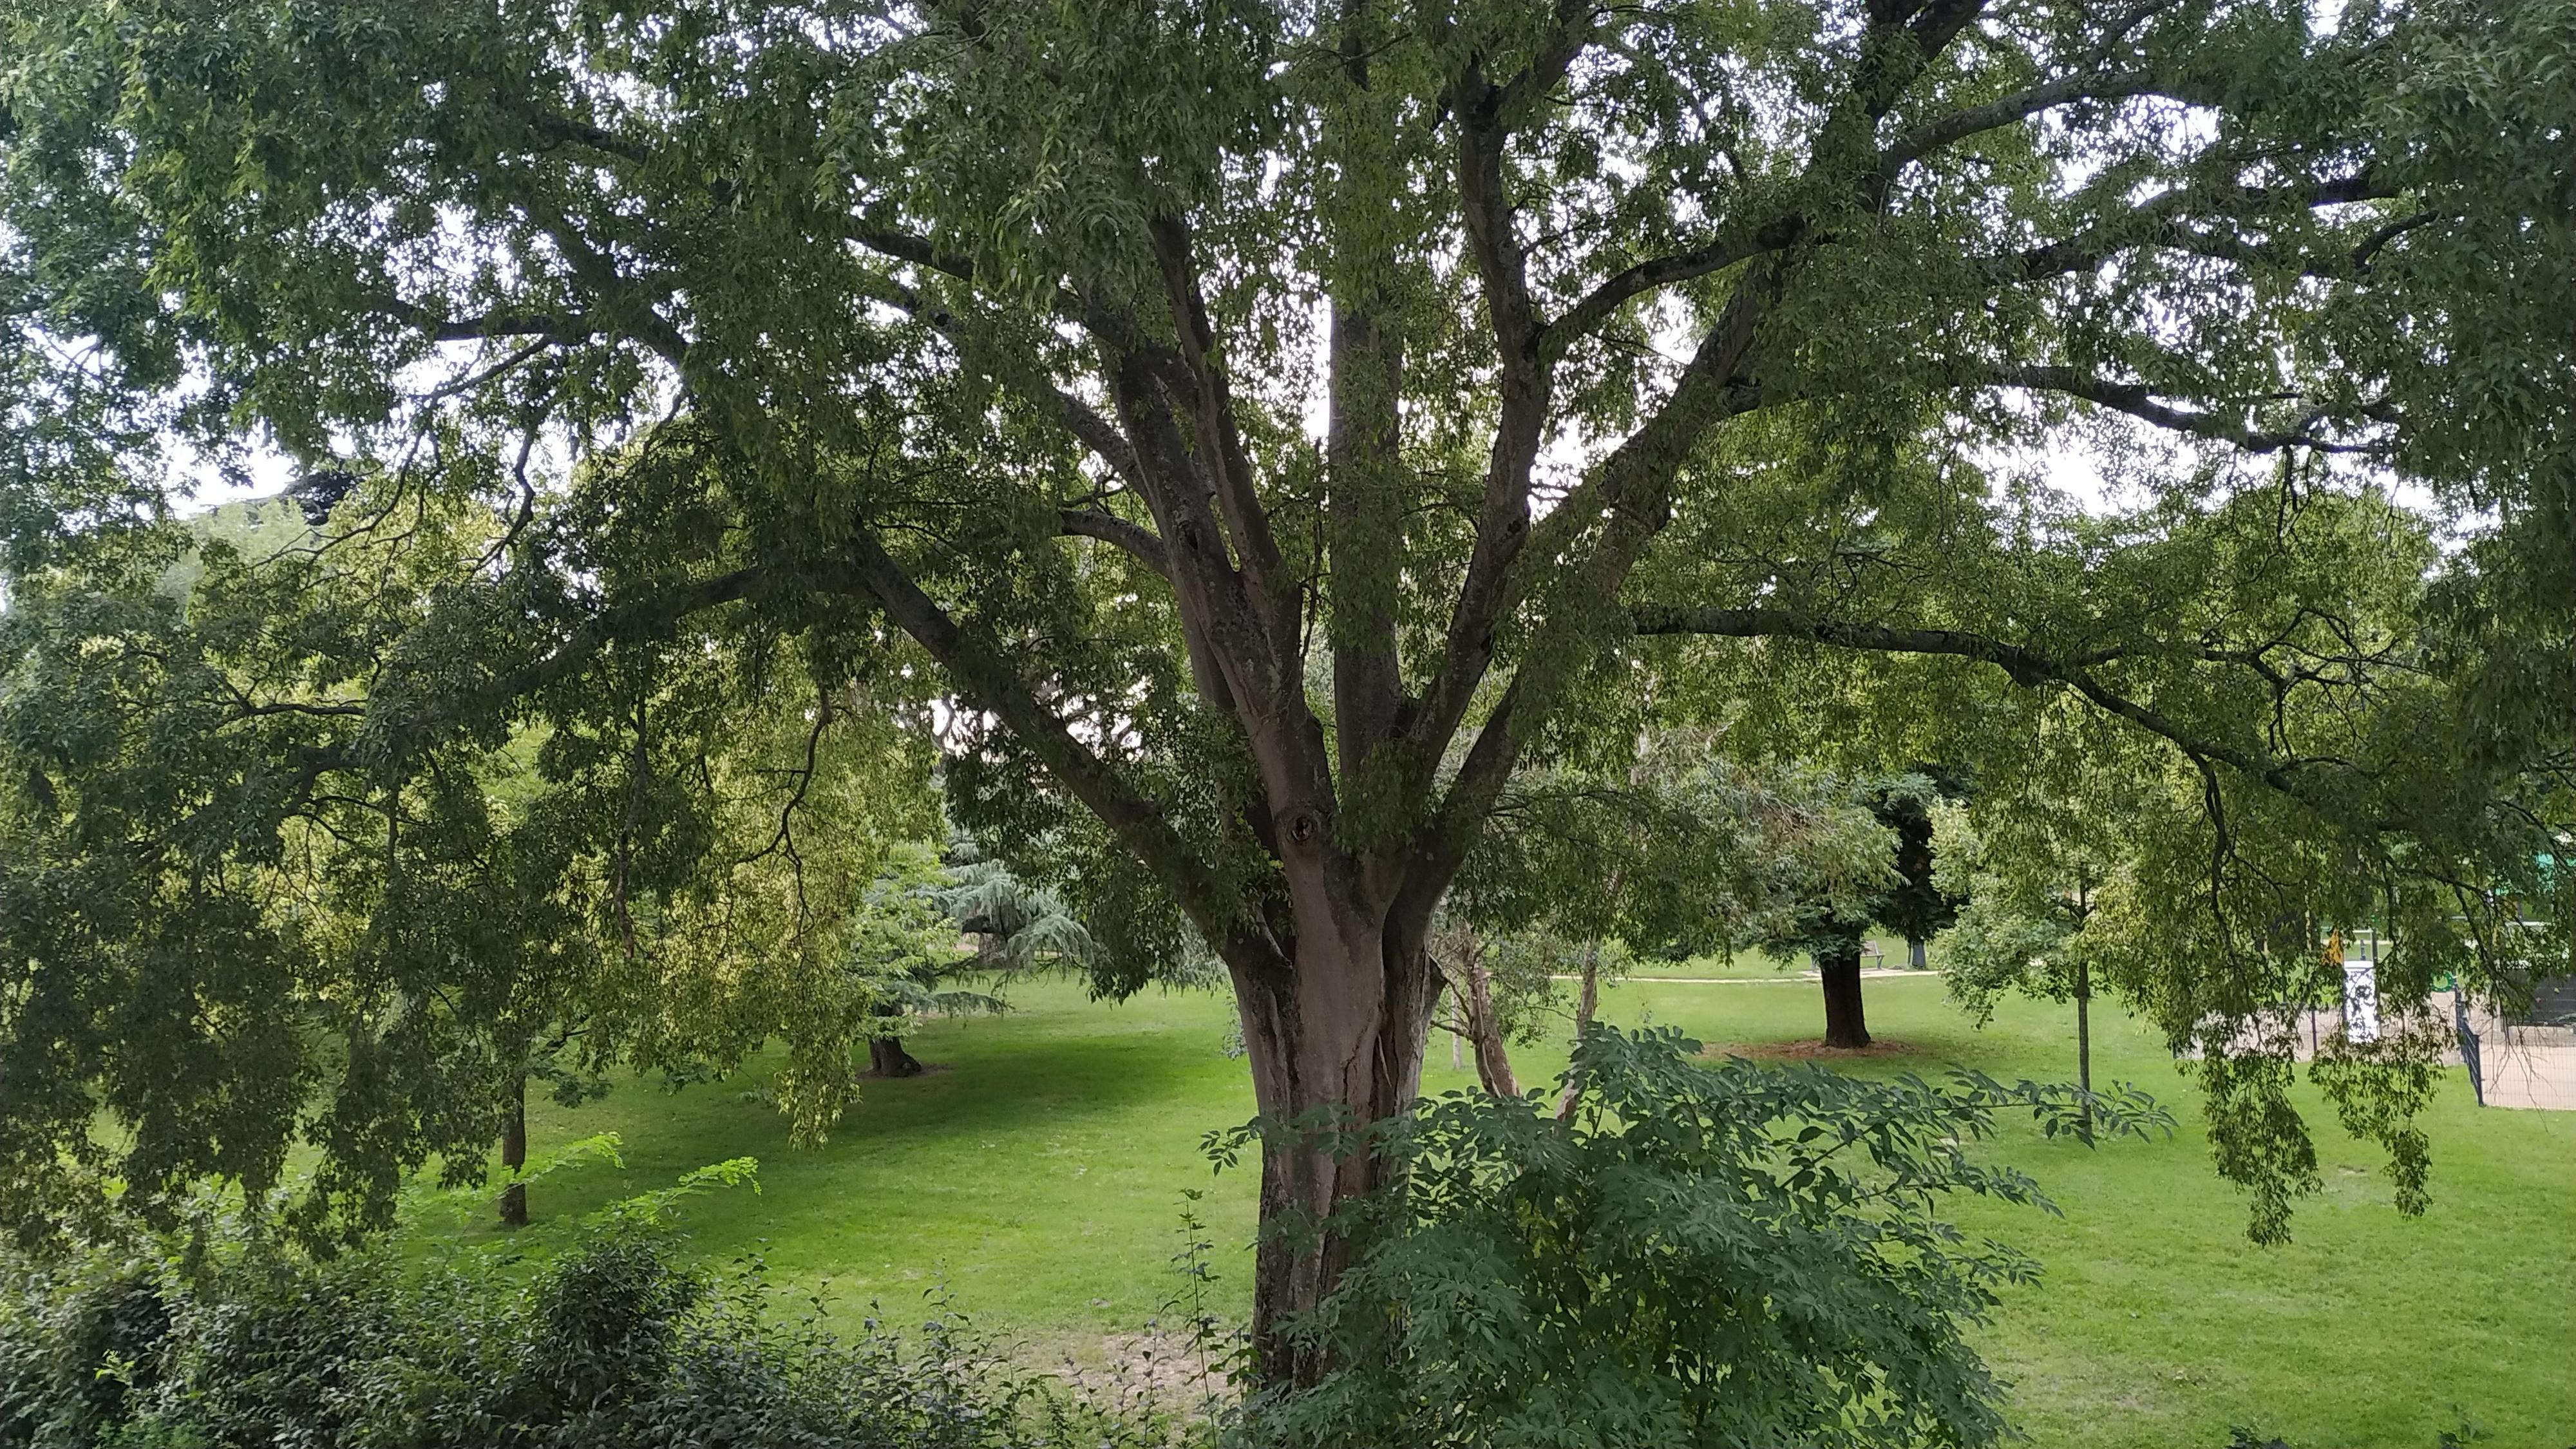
[(1343, 1034), (1493, 1062), (514, 1156), (887, 1058), (1587, 1003), (1838, 961)]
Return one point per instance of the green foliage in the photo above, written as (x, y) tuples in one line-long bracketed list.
[(246, 914), (606, 1337), (2154, 1325), (1019, 927), (722, 383), (609, 1344), (1677, 849), (1668, 847), (2030, 895), (1878, 871), (908, 957), (1699, 1255)]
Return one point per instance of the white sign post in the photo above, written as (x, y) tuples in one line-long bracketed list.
[(2360, 1001)]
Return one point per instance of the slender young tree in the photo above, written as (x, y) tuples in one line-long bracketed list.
[(2029, 901), (1274, 426)]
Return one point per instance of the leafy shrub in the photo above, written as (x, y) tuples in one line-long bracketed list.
[(1736, 1255), (609, 1344), (78, 1346)]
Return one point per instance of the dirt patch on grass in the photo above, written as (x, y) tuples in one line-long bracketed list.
[(1152, 1370), (1810, 1050)]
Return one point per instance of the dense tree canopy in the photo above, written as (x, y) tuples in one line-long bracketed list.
[(1247, 435)]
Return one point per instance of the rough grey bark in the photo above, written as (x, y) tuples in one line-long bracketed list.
[(1338, 1037)]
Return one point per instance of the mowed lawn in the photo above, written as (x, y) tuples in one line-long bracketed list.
[(1038, 1174)]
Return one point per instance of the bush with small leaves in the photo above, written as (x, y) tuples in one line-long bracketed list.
[(1729, 1255), (610, 1345)]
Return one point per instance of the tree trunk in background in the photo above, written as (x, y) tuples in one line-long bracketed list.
[(1914, 957), (514, 1156), (1493, 1063), (1838, 961), (1587, 1002), (887, 1058), (2084, 1038), (1343, 1031), (1457, 1031)]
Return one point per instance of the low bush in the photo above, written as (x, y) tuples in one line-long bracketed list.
[(1729, 1255), (610, 1343), (1724, 1255)]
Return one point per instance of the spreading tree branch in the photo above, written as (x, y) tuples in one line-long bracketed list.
[(2138, 402), (1132, 538), (2009, 110), (1210, 402), (1725, 250), (1503, 519), (2027, 667), (988, 682)]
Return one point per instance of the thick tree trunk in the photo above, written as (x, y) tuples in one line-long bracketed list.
[(887, 1058), (1839, 963), (1340, 1034), (1914, 957), (514, 1156)]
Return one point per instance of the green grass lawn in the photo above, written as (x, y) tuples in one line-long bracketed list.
[(1039, 1175)]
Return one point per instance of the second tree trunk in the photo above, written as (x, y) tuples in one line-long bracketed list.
[(1838, 961), (514, 1156), (887, 1058)]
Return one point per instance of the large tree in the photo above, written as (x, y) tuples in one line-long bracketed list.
[(248, 909), (1272, 425)]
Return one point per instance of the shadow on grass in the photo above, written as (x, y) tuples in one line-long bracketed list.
[(990, 1091)]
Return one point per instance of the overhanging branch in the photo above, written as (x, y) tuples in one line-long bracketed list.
[(2027, 667), (2138, 402), (2198, 221), (2019, 106)]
